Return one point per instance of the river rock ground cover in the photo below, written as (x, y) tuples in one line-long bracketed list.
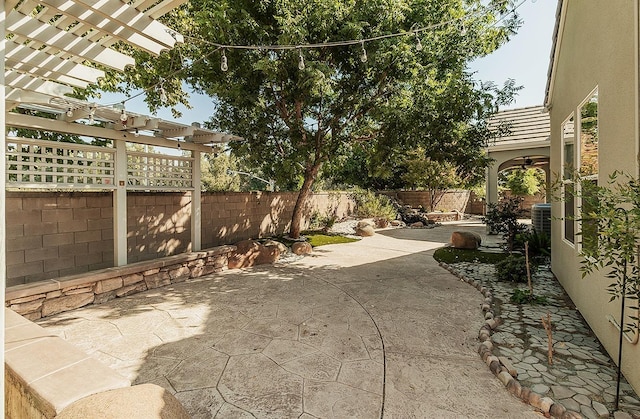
[(582, 376)]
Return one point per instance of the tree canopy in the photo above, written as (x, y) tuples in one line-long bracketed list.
[(302, 107)]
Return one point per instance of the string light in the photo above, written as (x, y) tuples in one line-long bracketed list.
[(300, 60), (418, 43), (163, 94), (123, 114), (363, 56), (223, 62), (69, 112), (136, 133), (92, 112)]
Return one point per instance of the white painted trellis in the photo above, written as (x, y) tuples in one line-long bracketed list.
[(46, 49), (41, 164)]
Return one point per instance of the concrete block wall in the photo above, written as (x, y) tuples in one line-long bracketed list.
[(453, 200), (229, 217), (158, 224), (57, 234), (51, 235)]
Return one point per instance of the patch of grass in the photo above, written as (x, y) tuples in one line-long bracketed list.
[(451, 255), (521, 296), (318, 238)]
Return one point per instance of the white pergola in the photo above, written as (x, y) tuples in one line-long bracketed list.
[(52, 46)]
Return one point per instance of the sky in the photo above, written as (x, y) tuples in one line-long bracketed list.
[(524, 58)]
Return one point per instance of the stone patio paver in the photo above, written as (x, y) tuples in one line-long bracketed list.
[(367, 329)]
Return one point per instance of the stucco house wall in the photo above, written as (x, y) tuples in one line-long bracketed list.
[(596, 47)]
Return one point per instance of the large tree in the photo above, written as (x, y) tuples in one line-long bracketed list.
[(295, 119), (299, 108)]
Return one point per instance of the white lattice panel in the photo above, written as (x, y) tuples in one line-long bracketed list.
[(154, 171), (53, 165)]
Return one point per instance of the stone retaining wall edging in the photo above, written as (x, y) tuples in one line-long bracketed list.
[(500, 366), (46, 298)]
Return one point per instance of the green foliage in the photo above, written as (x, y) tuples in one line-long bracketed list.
[(512, 269), (295, 120), (321, 221), (523, 182), (610, 233), (215, 175), (522, 296), (370, 205), (452, 255), (502, 218), (539, 243), (432, 175)]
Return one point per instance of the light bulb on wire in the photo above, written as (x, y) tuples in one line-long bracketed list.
[(363, 54), (136, 133), (300, 59), (92, 112), (123, 114), (223, 62), (69, 113), (163, 94), (418, 43)]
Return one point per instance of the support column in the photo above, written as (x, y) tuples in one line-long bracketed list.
[(547, 182), (492, 184), (196, 203), (120, 206), (3, 175)]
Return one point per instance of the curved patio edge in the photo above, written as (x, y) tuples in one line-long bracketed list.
[(500, 366)]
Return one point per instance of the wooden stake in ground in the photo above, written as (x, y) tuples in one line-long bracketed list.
[(547, 327), (526, 259)]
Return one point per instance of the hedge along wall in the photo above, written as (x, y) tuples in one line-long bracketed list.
[(50, 235)]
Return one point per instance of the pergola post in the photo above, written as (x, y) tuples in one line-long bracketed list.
[(120, 206), (3, 175), (196, 203)]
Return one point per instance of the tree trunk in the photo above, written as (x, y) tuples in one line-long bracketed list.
[(296, 220)]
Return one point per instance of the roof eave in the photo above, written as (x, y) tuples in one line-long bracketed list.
[(555, 51)]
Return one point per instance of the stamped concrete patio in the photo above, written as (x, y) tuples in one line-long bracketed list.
[(368, 329)]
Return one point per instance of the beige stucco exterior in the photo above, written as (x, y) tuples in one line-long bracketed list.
[(596, 47)]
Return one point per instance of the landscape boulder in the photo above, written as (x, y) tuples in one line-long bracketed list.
[(465, 240), (251, 252), (301, 248), (365, 228)]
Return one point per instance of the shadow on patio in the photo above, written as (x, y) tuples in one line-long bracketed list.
[(363, 329)]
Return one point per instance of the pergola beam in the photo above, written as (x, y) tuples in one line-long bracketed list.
[(45, 124), (35, 30)]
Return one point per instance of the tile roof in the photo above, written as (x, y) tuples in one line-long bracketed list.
[(525, 125)]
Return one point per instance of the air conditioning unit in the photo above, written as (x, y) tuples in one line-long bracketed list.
[(541, 218)]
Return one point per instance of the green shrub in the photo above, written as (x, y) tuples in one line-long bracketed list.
[(502, 218), (521, 296), (513, 269), (319, 221), (539, 243), (370, 205)]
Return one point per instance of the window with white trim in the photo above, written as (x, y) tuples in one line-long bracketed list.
[(568, 186), (588, 167)]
